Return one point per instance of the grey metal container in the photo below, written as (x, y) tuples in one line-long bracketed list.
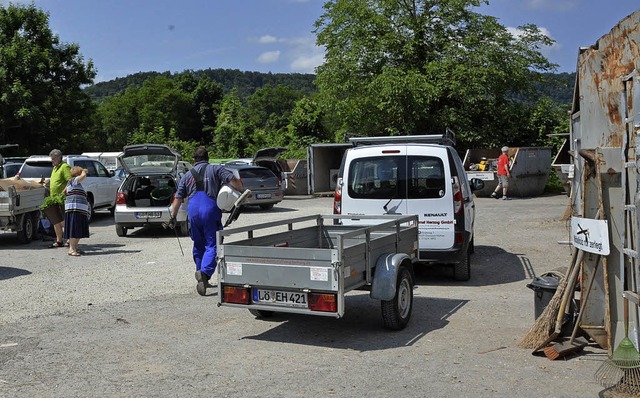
[(530, 168)]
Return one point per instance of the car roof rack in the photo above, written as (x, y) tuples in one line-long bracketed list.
[(447, 138)]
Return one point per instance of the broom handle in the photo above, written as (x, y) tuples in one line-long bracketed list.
[(583, 301), (569, 290)]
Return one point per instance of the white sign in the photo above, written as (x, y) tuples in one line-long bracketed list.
[(590, 235), (234, 268), (482, 175), (319, 274)]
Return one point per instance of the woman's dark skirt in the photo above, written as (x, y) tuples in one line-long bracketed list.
[(76, 225)]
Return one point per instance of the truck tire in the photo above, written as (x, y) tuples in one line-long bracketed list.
[(25, 235), (397, 311), (261, 313), (120, 230), (462, 270), (36, 222)]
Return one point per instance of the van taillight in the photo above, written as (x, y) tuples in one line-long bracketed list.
[(459, 238), (337, 198), (323, 302), (235, 294), (457, 198), (121, 198)]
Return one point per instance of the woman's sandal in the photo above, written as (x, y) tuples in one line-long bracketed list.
[(74, 254), (56, 244)]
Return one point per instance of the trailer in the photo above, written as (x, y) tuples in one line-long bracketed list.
[(20, 203), (306, 265)]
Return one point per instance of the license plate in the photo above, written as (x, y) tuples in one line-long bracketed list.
[(263, 196), (149, 214), (277, 297)]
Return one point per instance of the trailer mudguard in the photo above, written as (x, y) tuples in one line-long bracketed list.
[(385, 276)]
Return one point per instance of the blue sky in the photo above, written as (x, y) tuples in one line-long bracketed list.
[(128, 36)]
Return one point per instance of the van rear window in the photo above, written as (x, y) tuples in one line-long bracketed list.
[(397, 177)]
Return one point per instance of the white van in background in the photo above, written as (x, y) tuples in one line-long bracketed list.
[(108, 159), (412, 175)]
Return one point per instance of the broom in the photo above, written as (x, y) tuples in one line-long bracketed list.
[(622, 370), (540, 334), (568, 347)]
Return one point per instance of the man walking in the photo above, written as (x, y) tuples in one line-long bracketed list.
[(201, 186), (60, 174), (503, 175)]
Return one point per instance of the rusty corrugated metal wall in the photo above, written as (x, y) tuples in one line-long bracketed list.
[(602, 123)]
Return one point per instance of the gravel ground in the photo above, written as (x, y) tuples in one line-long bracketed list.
[(124, 320)]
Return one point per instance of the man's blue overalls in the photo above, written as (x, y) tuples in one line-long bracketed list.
[(205, 220)]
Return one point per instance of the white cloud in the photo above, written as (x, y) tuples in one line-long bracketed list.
[(269, 57), (268, 39), (307, 63), (547, 51)]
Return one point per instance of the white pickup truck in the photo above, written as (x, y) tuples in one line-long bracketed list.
[(20, 208)]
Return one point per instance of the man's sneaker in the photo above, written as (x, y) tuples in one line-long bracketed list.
[(506, 198), (203, 283), (494, 195)]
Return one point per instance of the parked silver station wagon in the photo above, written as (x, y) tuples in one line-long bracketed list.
[(146, 193)]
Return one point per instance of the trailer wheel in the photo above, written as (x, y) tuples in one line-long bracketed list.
[(397, 311), (462, 270), (261, 313), (25, 235)]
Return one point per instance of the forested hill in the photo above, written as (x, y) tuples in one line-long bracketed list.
[(558, 87), (246, 83)]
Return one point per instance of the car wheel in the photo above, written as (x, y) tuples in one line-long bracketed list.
[(397, 311), (462, 270), (267, 206), (91, 210), (26, 234), (120, 230), (261, 313)]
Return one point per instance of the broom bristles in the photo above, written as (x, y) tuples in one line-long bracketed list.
[(545, 324)]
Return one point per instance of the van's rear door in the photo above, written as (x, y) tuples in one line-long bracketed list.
[(374, 181), (430, 195)]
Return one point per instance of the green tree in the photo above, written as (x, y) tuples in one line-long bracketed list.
[(41, 101), (233, 132), (305, 127), (416, 67)]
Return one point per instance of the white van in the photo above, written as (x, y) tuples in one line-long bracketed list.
[(108, 159), (411, 175)]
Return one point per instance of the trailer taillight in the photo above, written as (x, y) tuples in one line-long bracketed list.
[(121, 198), (323, 302), (235, 294)]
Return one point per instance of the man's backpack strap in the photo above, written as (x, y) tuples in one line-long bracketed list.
[(199, 177)]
